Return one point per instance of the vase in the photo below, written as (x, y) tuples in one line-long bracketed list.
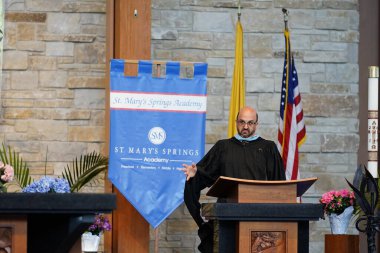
[(339, 222), (90, 242)]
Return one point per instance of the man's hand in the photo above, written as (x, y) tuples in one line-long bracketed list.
[(189, 170)]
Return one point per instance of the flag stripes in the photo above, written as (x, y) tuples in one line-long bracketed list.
[(291, 130)]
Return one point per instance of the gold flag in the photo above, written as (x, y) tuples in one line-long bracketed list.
[(238, 88)]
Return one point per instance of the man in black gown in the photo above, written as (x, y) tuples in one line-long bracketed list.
[(246, 156)]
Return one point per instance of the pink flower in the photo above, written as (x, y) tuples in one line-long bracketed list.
[(8, 173), (336, 201)]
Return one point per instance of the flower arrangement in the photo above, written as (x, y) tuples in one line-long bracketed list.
[(335, 202), (6, 175), (101, 224), (48, 184)]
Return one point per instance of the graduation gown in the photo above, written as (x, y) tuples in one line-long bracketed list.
[(255, 160)]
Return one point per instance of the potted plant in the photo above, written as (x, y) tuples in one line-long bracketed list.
[(91, 238), (339, 207)]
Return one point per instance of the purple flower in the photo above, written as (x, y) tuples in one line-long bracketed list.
[(100, 224)]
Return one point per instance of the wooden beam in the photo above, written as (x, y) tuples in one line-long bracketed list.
[(128, 37)]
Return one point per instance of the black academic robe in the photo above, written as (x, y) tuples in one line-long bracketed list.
[(256, 160)]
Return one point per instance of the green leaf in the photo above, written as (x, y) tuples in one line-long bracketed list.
[(21, 170), (85, 170)]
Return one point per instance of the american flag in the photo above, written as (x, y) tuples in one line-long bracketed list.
[(291, 129)]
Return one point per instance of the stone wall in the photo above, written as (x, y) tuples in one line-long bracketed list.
[(52, 89), (324, 37)]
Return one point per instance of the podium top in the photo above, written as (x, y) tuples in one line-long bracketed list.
[(218, 189)]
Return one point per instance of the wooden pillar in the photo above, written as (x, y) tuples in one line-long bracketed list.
[(128, 37)]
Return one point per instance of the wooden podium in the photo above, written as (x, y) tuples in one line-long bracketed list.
[(261, 216), (49, 222)]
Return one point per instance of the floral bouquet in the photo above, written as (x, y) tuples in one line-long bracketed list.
[(337, 201), (101, 224), (6, 175), (339, 206), (48, 184)]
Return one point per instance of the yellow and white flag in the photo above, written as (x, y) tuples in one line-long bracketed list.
[(238, 87)]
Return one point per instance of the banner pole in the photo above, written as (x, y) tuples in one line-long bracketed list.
[(156, 240)]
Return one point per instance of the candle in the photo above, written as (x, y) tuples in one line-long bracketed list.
[(373, 104)]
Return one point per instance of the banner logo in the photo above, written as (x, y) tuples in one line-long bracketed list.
[(157, 135)]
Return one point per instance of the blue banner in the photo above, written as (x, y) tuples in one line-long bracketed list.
[(157, 124)]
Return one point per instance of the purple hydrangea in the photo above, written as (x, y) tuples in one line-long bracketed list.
[(48, 184)]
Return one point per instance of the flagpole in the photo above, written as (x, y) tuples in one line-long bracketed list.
[(239, 10), (286, 14)]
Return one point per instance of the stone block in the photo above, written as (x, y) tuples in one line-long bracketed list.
[(15, 60), (48, 130), (325, 56), (89, 99), (90, 53), (341, 5), (59, 49), (330, 105), (329, 46), (56, 103), (214, 107), (342, 73), (259, 85), (252, 68), (224, 41), (216, 86), (42, 63), (43, 5), (258, 21), (259, 46), (216, 71), (204, 45), (269, 102), (63, 23), (79, 82), (21, 103), (190, 55), (162, 54), (195, 36), (181, 226), (332, 20), (340, 143), (298, 4), (83, 7), (68, 114), (55, 79), (86, 134), (159, 33), (25, 17), (176, 18), (10, 41), (26, 31), (32, 46), (330, 88), (65, 152), (24, 80), (100, 31), (165, 3), (212, 22), (93, 19), (344, 36)]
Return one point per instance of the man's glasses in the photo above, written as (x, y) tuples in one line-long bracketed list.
[(250, 123)]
